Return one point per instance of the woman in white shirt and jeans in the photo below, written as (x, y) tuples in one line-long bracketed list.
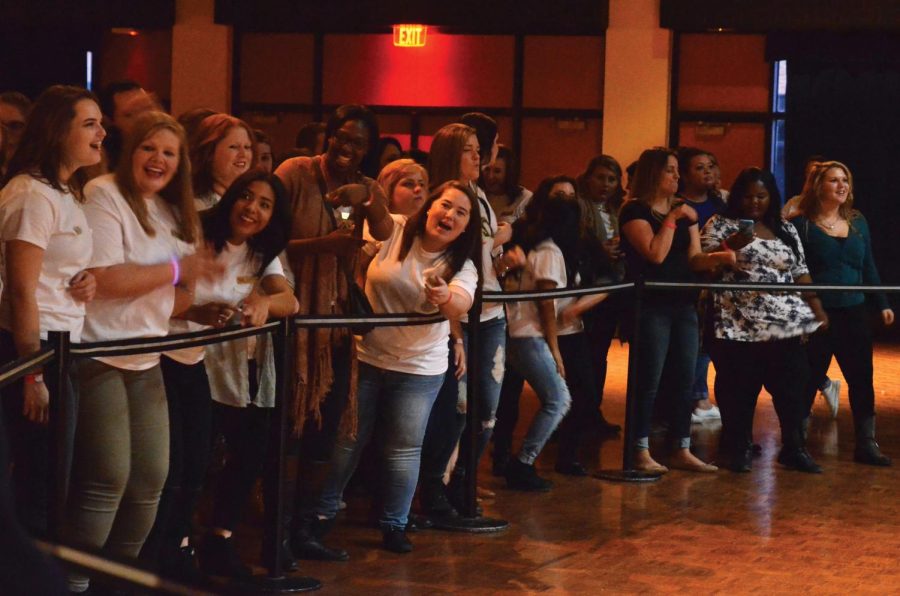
[(425, 266), (46, 248), (144, 228)]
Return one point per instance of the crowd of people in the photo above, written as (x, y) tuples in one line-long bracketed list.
[(119, 221)]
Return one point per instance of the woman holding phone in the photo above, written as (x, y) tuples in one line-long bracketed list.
[(755, 338)]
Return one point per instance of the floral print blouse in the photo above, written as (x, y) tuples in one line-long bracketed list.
[(754, 315)]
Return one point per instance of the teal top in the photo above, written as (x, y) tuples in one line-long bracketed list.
[(841, 261)]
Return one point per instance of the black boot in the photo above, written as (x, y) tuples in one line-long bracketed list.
[(736, 455), (867, 450), (306, 540), (434, 501), (218, 557), (456, 493), (521, 476), (793, 454)]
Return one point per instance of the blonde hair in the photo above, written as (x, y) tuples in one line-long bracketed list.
[(177, 193), (392, 173), (811, 197)]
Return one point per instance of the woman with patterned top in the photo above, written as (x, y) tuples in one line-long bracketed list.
[(755, 337)]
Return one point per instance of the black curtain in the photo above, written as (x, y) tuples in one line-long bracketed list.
[(843, 102)]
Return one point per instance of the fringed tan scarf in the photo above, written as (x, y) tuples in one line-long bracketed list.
[(320, 289)]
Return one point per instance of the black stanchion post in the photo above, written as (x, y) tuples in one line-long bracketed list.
[(628, 473), (275, 581), (473, 388), (58, 471)]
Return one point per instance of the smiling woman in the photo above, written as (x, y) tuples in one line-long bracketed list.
[(425, 266), (222, 148), (46, 249), (144, 228)]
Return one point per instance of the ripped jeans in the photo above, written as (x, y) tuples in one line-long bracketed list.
[(492, 366), (448, 419)]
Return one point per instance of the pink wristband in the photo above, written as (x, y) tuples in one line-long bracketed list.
[(176, 271), (670, 225)]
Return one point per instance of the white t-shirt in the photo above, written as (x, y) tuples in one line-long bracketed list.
[(35, 212), (207, 201), (544, 263), (232, 288), (490, 283), (393, 286), (119, 238)]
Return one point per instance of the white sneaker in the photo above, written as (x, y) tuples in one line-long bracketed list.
[(832, 395), (699, 416)]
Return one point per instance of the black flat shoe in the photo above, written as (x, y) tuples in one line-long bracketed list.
[(218, 557), (416, 523), (395, 540), (524, 477), (307, 542), (571, 469)]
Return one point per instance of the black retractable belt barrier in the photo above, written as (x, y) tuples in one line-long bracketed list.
[(58, 357)]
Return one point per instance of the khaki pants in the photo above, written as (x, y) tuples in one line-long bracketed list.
[(120, 460)]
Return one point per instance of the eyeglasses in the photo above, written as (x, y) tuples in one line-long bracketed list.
[(341, 138)]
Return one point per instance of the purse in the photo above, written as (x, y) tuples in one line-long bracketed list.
[(358, 304)]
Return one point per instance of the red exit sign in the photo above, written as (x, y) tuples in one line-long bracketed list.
[(409, 36)]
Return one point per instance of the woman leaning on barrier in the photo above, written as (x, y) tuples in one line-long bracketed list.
[(838, 249), (662, 243), (756, 338), (144, 229), (46, 248), (246, 230), (426, 266)]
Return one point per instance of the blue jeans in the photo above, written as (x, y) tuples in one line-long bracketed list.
[(530, 357), (492, 339), (668, 334), (701, 371), (400, 403)]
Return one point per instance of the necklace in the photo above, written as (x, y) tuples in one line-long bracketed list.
[(829, 226)]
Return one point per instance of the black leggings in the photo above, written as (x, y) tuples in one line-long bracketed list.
[(581, 380), (849, 339), (743, 368), (190, 426)]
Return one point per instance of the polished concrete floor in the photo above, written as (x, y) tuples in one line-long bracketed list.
[(772, 531)]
